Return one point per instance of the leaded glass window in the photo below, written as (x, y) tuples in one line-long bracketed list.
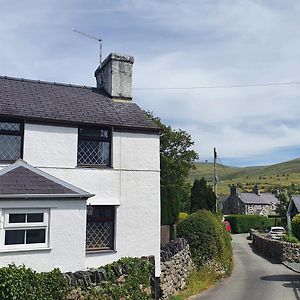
[(11, 139), (94, 146), (100, 228)]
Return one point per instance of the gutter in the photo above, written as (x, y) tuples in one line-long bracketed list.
[(47, 196)]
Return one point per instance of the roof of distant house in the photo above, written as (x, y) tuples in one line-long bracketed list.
[(68, 104), (222, 197), (296, 200), (262, 198), (21, 180)]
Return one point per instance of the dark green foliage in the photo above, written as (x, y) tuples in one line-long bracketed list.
[(202, 196), (19, 282), (208, 240), (243, 223), (290, 239), (282, 206), (127, 278), (170, 204), (296, 226), (176, 160)]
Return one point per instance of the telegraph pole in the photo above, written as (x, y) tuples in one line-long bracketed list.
[(215, 177)]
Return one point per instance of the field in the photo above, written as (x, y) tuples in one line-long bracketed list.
[(267, 178)]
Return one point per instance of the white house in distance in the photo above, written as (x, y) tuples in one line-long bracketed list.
[(79, 172)]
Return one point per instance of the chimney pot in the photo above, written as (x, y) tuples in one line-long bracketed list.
[(115, 76), (256, 190)]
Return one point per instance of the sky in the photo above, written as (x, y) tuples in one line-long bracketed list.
[(176, 44)]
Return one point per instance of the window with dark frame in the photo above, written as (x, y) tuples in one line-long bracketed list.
[(94, 146), (100, 228), (11, 141)]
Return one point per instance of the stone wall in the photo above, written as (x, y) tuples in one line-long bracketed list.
[(176, 264), (279, 251)]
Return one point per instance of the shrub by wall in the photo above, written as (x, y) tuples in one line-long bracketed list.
[(296, 226), (243, 223), (127, 278), (209, 242), (19, 282)]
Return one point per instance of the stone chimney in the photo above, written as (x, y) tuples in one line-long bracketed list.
[(256, 190), (115, 76), (233, 190)]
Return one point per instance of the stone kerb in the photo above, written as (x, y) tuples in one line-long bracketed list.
[(176, 264), (279, 251)]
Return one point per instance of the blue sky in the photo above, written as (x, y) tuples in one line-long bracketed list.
[(177, 44)]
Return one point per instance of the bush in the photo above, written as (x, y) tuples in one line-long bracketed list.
[(19, 282), (290, 239), (296, 226), (243, 223), (127, 278), (209, 242), (182, 216)]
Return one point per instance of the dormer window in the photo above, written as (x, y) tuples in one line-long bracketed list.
[(11, 140), (94, 146)]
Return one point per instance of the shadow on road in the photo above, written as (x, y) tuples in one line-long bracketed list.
[(290, 281)]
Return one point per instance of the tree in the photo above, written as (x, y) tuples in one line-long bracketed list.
[(282, 206), (176, 157), (176, 160), (202, 196)]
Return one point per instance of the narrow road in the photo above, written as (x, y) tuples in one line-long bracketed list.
[(254, 278)]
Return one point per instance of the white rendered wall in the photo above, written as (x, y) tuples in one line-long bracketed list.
[(133, 184), (51, 146), (66, 236), (138, 220)]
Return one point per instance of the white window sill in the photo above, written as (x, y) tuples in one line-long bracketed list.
[(91, 252), (24, 250)]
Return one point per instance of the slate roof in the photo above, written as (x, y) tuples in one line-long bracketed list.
[(296, 200), (263, 198), (21, 179), (66, 103), (222, 198)]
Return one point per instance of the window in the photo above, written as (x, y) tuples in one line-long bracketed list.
[(11, 141), (100, 228), (94, 146), (25, 229)]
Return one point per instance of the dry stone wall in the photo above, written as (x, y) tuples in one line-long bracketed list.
[(176, 264), (279, 251)]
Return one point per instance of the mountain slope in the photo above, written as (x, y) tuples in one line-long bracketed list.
[(267, 177)]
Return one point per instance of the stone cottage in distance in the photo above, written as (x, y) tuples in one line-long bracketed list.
[(255, 203)]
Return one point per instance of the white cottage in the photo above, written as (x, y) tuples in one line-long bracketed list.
[(79, 172)]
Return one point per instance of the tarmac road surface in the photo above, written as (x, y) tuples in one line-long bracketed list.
[(254, 278)]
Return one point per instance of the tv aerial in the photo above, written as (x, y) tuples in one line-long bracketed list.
[(92, 38)]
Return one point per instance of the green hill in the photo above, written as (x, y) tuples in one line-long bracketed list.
[(266, 177)]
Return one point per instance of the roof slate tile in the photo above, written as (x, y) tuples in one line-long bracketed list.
[(67, 103)]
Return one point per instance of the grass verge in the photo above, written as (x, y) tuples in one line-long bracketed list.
[(198, 281)]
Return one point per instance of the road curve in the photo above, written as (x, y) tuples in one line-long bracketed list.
[(254, 278)]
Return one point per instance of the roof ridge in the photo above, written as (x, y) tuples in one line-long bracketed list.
[(47, 82)]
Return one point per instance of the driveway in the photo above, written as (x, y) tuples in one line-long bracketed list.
[(254, 278)]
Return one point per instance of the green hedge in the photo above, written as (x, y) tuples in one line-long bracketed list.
[(296, 226), (209, 242), (19, 282), (127, 278), (243, 223)]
